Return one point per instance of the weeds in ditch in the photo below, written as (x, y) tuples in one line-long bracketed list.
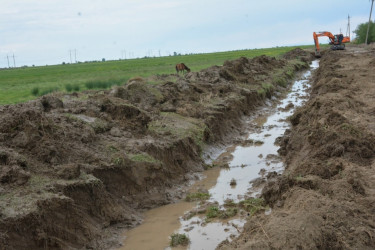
[(215, 212), (212, 212), (252, 205), (197, 197), (179, 239), (228, 213), (229, 203)]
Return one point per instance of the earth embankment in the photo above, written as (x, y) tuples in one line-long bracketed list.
[(325, 198)]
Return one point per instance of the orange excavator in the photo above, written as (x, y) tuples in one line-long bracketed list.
[(337, 41)]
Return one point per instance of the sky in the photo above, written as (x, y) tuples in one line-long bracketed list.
[(41, 32)]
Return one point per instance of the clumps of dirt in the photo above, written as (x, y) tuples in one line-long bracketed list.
[(325, 197), (13, 168), (72, 166), (51, 102), (239, 70), (299, 54)]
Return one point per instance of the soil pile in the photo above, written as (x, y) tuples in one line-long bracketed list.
[(75, 167), (326, 197)]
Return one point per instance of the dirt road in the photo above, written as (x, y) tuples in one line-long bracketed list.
[(326, 197)]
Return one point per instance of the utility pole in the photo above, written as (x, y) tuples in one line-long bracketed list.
[(369, 20), (14, 61), (8, 61), (75, 55), (348, 27)]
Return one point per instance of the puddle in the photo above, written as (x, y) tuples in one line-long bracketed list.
[(248, 161)]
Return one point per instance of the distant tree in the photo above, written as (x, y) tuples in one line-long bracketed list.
[(103, 59), (175, 53), (361, 31)]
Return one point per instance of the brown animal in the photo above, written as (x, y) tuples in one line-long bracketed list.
[(182, 67)]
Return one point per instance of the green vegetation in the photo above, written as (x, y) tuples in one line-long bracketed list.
[(179, 239), (23, 84), (282, 76), (72, 87), (252, 205), (361, 32), (212, 212), (103, 84), (143, 157), (197, 197), (265, 90), (215, 212)]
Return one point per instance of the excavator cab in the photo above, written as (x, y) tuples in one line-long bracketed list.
[(337, 43)]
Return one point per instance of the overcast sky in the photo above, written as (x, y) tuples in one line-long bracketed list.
[(44, 32)]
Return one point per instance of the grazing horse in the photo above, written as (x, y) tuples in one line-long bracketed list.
[(182, 67)]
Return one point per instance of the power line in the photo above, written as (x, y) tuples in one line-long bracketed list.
[(75, 55), (348, 27)]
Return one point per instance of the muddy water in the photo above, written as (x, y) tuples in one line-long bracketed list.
[(251, 159)]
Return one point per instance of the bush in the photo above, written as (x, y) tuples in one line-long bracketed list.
[(68, 87), (35, 91), (76, 87), (48, 90), (102, 84)]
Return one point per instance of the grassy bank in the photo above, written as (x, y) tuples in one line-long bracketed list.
[(23, 84)]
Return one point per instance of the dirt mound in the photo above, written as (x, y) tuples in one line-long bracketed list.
[(325, 198), (73, 166), (299, 54)]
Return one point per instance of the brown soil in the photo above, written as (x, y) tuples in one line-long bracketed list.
[(326, 197), (76, 168)]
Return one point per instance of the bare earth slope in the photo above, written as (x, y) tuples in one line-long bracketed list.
[(326, 197), (74, 167)]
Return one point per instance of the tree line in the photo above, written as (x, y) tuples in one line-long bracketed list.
[(361, 32)]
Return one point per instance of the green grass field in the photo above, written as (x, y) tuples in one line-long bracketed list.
[(23, 84)]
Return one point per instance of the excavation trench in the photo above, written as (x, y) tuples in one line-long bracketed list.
[(251, 161)]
